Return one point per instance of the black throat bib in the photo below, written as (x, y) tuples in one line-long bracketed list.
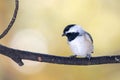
[(72, 36)]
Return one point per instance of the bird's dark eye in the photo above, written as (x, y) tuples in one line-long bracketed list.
[(68, 34)]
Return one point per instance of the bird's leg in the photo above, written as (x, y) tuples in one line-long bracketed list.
[(88, 56), (73, 56)]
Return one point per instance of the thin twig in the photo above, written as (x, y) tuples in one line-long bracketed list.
[(12, 20)]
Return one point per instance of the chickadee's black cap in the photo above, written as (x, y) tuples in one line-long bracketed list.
[(68, 27)]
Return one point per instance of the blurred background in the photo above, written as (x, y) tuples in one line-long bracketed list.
[(39, 26)]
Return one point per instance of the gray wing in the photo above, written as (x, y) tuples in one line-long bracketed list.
[(89, 36)]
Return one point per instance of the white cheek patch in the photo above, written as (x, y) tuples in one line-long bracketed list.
[(72, 31)]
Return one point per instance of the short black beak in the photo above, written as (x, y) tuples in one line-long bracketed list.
[(63, 34)]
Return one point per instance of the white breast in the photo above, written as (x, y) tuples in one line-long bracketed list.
[(81, 46)]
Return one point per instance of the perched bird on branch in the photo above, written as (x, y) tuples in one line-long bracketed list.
[(80, 41)]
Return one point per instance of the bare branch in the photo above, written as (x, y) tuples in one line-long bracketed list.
[(12, 20), (19, 55)]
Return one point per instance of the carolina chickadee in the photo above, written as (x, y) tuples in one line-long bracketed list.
[(80, 41)]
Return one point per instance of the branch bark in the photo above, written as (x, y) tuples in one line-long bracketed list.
[(19, 55)]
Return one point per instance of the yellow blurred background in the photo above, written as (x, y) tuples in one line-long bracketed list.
[(39, 26)]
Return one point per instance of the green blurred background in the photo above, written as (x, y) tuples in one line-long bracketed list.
[(39, 26)]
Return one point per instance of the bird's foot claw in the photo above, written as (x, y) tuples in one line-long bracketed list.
[(73, 56), (88, 56)]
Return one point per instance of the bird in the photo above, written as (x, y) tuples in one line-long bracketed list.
[(79, 40)]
